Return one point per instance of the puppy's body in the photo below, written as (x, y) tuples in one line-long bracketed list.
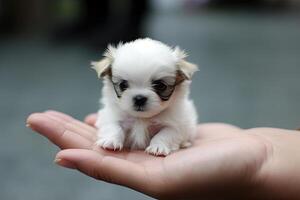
[(145, 98)]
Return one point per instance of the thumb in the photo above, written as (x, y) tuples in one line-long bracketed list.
[(103, 167), (91, 119)]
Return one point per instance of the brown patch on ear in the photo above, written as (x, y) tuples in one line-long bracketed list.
[(102, 67), (180, 77), (187, 68), (107, 72)]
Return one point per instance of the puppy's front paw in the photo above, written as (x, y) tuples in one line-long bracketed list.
[(111, 138), (158, 149), (110, 143)]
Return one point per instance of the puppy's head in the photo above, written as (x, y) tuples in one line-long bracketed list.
[(145, 75)]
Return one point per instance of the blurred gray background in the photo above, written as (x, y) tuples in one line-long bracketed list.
[(248, 53)]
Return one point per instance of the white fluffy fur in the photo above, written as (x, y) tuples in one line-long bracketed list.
[(119, 124)]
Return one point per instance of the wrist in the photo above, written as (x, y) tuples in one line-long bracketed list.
[(278, 176)]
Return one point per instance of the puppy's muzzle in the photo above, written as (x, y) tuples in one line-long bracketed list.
[(139, 102)]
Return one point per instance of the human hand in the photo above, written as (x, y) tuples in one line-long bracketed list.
[(225, 162)]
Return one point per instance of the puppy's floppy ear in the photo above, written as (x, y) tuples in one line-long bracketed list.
[(186, 68), (103, 67)]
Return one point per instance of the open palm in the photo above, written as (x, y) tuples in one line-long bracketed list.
[(223, 161)]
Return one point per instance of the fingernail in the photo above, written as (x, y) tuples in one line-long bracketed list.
[(27, 125), (64, 163)]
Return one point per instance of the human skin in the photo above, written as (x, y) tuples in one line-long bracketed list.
[(225, 162)]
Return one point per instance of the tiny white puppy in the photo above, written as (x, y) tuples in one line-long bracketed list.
[(145, 98)]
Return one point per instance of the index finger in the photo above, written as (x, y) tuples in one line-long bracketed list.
[(56, 132)]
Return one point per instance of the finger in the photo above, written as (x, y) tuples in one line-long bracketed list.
[(216, 131), (91, 119), (73, 125), (107, 168), (56, 132), (61, 115), (68, 118), (73, 128)]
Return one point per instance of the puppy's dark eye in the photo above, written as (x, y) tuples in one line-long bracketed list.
[(163, 89), (123, 85), (159, 85)]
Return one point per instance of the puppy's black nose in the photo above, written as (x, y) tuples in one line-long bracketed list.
[(139, 100)]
